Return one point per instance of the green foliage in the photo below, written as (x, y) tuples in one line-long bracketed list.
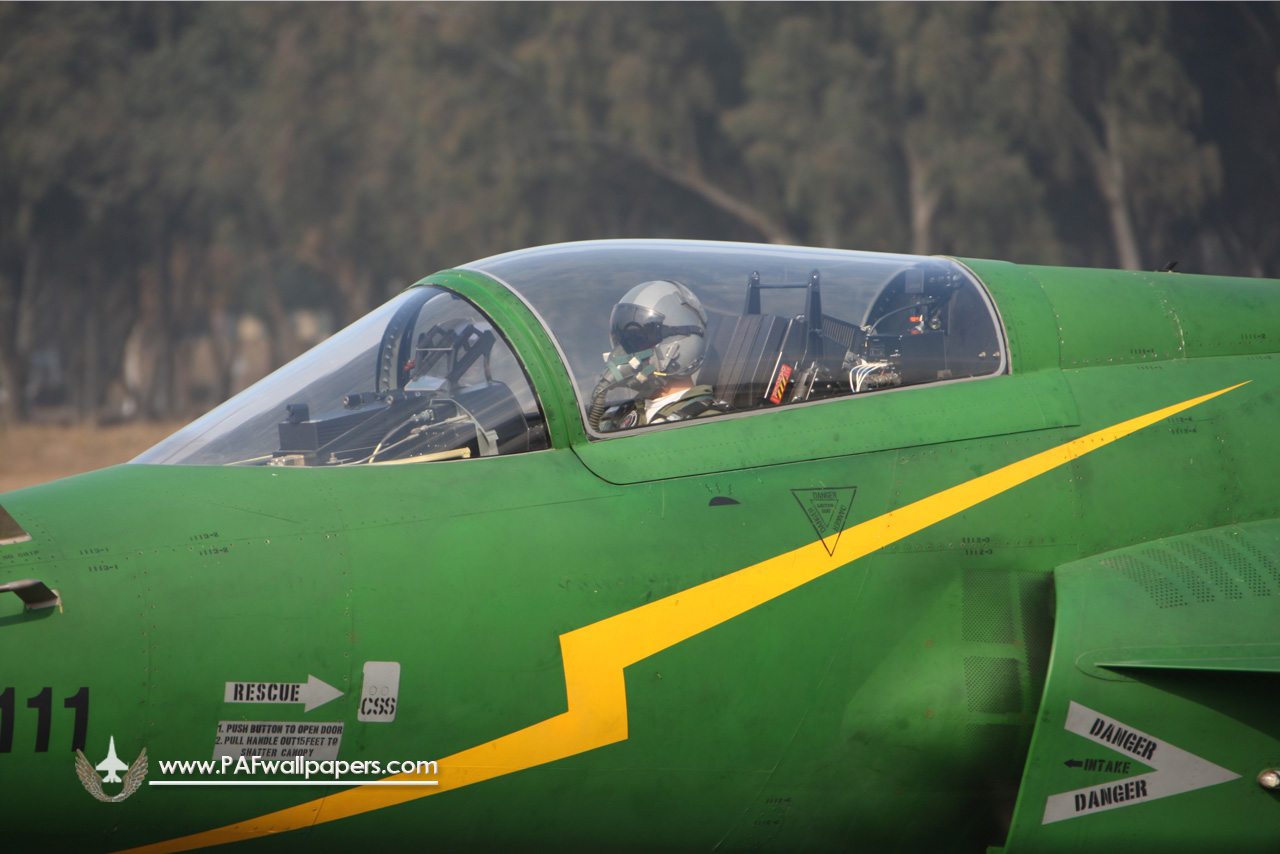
[(167, 168)]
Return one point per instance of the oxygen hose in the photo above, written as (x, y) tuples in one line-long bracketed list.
[(632, 370), (598, 405), (640, 382)]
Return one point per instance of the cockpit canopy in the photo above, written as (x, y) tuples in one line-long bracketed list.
[(783, 325), (650, 332)]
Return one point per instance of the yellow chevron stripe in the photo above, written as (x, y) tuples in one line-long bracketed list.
[(595, 655)]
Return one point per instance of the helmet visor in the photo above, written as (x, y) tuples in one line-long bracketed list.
[(634, 327)]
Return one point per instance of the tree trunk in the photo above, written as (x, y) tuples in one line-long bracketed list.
[(89, 357), (279, 329), (159, 401), (15, 326), (690, 177), (1108, 169), (924, 198), (354, 288)]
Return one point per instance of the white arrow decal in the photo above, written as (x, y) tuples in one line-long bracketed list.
[(311, 693), (1177, 771)]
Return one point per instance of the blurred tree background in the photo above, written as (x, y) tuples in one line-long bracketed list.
[(191, 194)]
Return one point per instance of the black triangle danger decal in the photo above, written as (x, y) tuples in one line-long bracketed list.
[(827, 510)]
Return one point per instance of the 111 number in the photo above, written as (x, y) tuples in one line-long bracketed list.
[(43, 704)]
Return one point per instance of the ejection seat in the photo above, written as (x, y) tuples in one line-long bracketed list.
[(756, 359)]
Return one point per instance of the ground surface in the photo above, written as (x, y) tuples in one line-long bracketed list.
[(35, 453)]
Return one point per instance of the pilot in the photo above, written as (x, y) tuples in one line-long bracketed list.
[(658, 330)]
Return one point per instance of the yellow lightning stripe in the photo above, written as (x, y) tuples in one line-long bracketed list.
[(596, 655)]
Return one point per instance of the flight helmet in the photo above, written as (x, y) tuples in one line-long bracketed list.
[(665, 317)]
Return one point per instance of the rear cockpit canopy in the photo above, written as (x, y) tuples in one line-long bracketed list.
[(784, 325)]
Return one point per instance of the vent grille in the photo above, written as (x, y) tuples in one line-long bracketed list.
[(988, 607), (1200, 569), (1239, 564), (992, 685), (1191, 580), (1261, 557), (1036, 593), (1158, 587), (1205, 563)]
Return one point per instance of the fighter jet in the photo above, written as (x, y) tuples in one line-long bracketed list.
[(112, 764), (682, 546)]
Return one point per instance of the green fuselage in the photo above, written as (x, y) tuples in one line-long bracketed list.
[(784, 632)]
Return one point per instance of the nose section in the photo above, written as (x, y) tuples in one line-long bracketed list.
[(77, 675)]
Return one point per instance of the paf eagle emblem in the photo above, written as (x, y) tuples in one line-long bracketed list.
[(93, 783)]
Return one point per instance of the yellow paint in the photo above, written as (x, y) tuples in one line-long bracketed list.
[(595, 655)]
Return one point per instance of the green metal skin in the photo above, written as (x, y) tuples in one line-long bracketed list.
[(914, 698)]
